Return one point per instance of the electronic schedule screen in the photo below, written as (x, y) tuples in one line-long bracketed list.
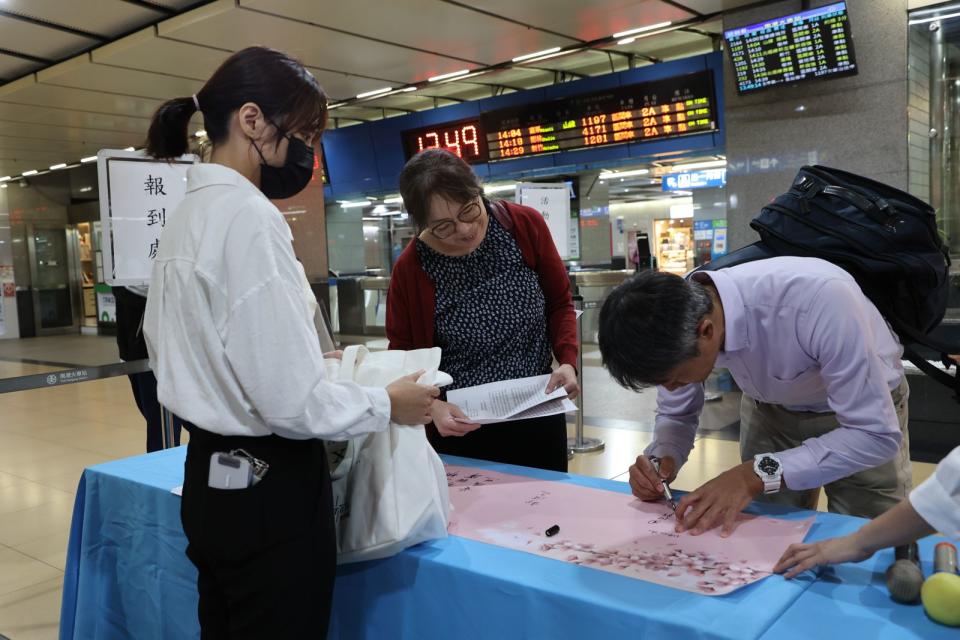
[(812, 44), (667, 108)]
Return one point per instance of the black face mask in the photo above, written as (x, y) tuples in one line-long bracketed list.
[(293, 177)]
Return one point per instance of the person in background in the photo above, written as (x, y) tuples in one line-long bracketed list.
[(933, 506), (824, 393), (131, 303), (231, 337), (484, 281)]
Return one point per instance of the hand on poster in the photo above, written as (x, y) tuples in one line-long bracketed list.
[(564, 376), (719, 501), (444, 415), (800, 557), (646, 483)]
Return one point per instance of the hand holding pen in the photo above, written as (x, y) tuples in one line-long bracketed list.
[(649, 478)]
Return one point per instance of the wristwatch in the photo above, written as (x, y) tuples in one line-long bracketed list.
[(770, 470)]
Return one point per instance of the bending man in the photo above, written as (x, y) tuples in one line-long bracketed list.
[(824, 393)]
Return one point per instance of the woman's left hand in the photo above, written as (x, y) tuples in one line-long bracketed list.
[(334, 355), (564, 376)]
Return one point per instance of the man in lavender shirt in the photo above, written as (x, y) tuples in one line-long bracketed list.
[(824, 394)]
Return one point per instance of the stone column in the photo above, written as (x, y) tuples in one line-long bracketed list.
[(857, 123)]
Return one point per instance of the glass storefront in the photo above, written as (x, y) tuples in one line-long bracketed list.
[(934, 114), (933, 138)]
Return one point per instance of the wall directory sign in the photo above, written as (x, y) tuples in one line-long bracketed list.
[(705, 179), (138, 195), (653, 110)]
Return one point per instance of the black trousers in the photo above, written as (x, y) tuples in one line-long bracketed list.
[(145, 394), (540, 443), (267, 554)]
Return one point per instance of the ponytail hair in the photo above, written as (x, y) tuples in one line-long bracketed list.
[(168, 137), (286, 92)]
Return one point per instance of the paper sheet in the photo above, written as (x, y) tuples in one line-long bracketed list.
[(510, 400), (614, 532)]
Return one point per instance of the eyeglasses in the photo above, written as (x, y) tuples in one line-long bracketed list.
[(470, 213)]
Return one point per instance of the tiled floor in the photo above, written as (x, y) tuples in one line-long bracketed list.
[(48, 436)]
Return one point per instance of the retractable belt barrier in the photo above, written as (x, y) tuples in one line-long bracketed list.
[(87, 374), (72, 376)]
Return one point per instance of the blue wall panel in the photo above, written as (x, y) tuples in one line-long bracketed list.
[(368, 158), (351, 157), (390, 157), (597, 83), (449, 113), (514, 99)]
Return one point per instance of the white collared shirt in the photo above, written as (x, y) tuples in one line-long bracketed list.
[(229, 331), (937, 500)]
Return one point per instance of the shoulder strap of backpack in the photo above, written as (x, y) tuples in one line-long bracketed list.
[(912, 337)]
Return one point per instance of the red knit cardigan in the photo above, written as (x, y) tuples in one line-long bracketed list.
[(411, 300)]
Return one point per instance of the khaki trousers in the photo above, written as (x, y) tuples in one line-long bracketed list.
[(768, 428)]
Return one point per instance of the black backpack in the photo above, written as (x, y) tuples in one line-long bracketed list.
[(885, 238)]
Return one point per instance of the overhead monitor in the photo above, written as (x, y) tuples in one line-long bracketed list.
[(800, 46)]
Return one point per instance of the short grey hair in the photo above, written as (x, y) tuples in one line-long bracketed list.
[(648, 327)]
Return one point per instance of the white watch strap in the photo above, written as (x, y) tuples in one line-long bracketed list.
[(771, 485)]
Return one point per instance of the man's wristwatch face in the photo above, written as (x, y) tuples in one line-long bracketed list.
[(768, 465)]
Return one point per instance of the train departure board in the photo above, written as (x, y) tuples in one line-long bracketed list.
[(800, 46), (634, 113), (667, 108)]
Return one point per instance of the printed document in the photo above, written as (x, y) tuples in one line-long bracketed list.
[(519, 399)]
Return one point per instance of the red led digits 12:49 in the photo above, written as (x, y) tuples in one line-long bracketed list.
[(464, 141)]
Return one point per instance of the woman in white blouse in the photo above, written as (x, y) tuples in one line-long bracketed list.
[(232, 342), (931, 507)]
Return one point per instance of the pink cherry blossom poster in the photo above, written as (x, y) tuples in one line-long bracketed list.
[(613, 531)]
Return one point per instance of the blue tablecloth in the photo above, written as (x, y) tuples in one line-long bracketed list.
[(852, 601), (127, 576)]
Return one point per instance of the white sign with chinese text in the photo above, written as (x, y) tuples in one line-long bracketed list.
[(552, 200), (137, 197)]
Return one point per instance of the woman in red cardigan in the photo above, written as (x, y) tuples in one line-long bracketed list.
[(483, 281)]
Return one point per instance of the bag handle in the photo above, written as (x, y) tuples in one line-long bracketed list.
[(352, 358), (877, 209)]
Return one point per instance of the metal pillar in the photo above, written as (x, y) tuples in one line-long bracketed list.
[(580, 444), (166, 421)]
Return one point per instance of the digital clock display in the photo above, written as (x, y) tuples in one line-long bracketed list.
[(654, 110), (462, 138)]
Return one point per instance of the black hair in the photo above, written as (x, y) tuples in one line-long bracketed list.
[(285, 91), (648, 326), (436, 172)]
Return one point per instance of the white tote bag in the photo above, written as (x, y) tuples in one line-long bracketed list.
[(389, 488)]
